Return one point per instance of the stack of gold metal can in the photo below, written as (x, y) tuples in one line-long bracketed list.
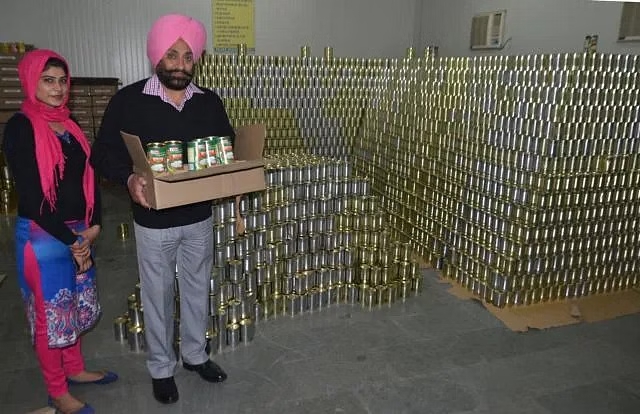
[(309, 104), (516, 175), (321, 239), (129, 327), (315, 237)]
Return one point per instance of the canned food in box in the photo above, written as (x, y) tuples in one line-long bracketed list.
[(225, 150), (157, 156), (174, 155), (212, 151), (197, 158)]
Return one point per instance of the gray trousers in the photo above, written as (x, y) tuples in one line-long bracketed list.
[(159, 250)]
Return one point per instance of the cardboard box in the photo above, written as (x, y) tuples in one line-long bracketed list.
[(12, 58), (79, 100), (8, 70), (170, 190), (10, 103), (11, 91), (101, 101), (98, 111), (101, 90), (5, 116), (85, 123), (82, 112), (79, 90)]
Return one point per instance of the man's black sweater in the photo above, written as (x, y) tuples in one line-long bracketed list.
[(154, 120)]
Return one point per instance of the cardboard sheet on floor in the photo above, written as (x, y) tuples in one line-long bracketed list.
[(558, 313), (45, 410)]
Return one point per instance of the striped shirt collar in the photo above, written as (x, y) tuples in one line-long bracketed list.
[(154, 87)]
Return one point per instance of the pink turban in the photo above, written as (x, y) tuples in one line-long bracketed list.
[(171, 27)]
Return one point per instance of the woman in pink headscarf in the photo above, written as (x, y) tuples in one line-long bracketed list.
[(58, 221)]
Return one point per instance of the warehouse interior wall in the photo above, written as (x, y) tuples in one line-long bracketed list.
[(532, 26), (106, 38)]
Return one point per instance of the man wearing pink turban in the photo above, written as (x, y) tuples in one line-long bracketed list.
[(168, 106)]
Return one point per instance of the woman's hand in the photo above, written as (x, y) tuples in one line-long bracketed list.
[(89, 234), (81, 248), (83, 262)]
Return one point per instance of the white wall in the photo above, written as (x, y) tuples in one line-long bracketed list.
[(107, 37), (358, 28), (533, 26)]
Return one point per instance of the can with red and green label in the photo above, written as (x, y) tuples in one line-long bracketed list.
[(212, 151), (197, 156), (157, 157), (174, 155), (225, 150)]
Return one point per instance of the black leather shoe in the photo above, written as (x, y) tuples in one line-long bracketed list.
[(209, 371), (165, 390)]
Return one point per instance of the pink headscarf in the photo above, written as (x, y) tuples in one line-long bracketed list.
[(171, 27), (49, 156)]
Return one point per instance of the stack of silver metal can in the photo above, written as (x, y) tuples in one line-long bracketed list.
[(517, 175), (129, 327), (319, 238), (315, 237), (309, 104)]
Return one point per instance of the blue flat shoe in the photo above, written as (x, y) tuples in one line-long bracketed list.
[(86, 408), (108, 378)]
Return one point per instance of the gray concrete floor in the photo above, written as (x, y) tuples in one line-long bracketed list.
[(432, 354)]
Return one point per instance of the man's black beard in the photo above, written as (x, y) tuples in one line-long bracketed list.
[(176, 84)]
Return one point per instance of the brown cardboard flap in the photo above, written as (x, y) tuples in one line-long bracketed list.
[(140, 164), (249, 142)]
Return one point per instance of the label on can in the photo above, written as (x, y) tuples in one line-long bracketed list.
[(197, 158), (225, 150), (212, 151), (157, 156), (174, 155)]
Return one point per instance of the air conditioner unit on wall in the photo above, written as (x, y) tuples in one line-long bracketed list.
[(629, 23), (487, 30)]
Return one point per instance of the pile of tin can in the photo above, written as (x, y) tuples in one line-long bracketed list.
[(321, 239), (309, 104), (129, 327), (316, 237), (516, 175)]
